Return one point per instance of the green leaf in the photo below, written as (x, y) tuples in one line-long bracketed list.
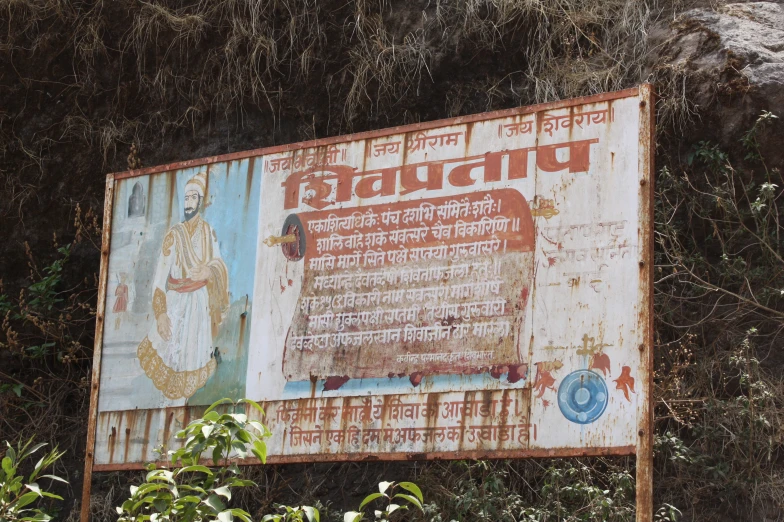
[(241, 514), (160, 504), (161, 478), (15, 485), (196, 468), (258, 426), (195, 451), (215, 503), (411, 499), (370, 498), (413, 488), (196, 488), (10, 453), (149, 499), (55, 477), (34, 449), (26, 499), (260, 450), (312, 513), (223, 491), (215, 404), (148, 488), (239, 417), (39, 517), (352, 516), (211, 416), (240, 448), (217, 454), (236, 482), (254, 404), (8, 467)]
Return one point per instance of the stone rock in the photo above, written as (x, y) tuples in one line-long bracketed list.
[(754, 32), (733, 61)]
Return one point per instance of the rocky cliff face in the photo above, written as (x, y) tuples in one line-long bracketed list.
[(720, 72), (727, 65)]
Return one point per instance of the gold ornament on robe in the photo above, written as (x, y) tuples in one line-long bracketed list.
[(158, 302), (173, 384), (168, 242)]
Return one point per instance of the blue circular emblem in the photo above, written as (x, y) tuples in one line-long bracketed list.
[(582, 396)]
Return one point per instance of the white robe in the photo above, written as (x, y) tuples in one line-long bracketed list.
[(182, 365)]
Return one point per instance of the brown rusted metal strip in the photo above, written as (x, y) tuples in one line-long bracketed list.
[(99, 323), (644, 476), (444, 455), (379, 133)]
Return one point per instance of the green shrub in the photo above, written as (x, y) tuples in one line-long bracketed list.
[(195, 492), (19, 497)]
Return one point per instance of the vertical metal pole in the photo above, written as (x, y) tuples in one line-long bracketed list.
[(644, 479), (99, 323)]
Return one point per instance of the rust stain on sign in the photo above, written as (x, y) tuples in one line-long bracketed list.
[(467, 288)]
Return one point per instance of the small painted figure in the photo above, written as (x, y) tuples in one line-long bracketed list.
[(601, 361), (121, 303), (136, 201), (544, 379), (625, 382)]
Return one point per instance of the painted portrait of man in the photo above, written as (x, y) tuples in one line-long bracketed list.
[(189, 301)]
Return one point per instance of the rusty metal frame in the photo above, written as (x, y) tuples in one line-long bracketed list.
[(100, 315), (619, 451), (415, 127), (644, 469), (644, 447)]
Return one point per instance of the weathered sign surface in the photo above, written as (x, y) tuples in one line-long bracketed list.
[(462, 288)]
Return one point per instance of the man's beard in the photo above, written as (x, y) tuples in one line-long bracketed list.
[(191, 212)]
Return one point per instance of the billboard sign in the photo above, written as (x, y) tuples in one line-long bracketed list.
[(474, 287)]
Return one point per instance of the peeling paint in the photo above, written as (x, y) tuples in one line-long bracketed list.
[(460, 347)]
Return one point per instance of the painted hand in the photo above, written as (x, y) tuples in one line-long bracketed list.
[(164, 326), (200, 273)]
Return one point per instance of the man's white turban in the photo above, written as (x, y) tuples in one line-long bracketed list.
[(197, 183)]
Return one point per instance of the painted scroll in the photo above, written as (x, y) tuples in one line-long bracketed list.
[(405, 288)]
